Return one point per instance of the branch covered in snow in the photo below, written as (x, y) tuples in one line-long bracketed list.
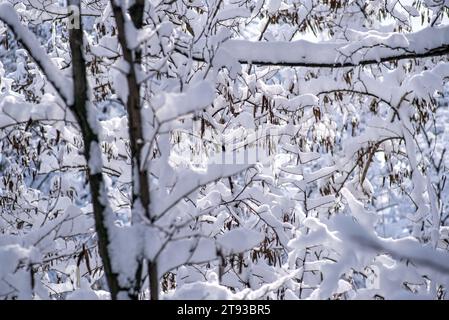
[(364, 49), (62, 85)]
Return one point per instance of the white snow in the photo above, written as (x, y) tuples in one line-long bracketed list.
[(62, 84), (239, 240), (197, 97), (329, 53)]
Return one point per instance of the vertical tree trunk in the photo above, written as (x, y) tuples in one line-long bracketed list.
[(90, 139), (140, 184), (154, 281)]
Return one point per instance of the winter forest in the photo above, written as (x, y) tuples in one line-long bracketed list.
[(224, 149)]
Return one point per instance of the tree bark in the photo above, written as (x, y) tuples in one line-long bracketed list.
[(90, 137), (141, 188)]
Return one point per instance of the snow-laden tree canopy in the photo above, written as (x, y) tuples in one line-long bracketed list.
[(224, 149)]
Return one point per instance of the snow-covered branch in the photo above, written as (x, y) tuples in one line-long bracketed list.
[(62, 85), (366, 48)]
